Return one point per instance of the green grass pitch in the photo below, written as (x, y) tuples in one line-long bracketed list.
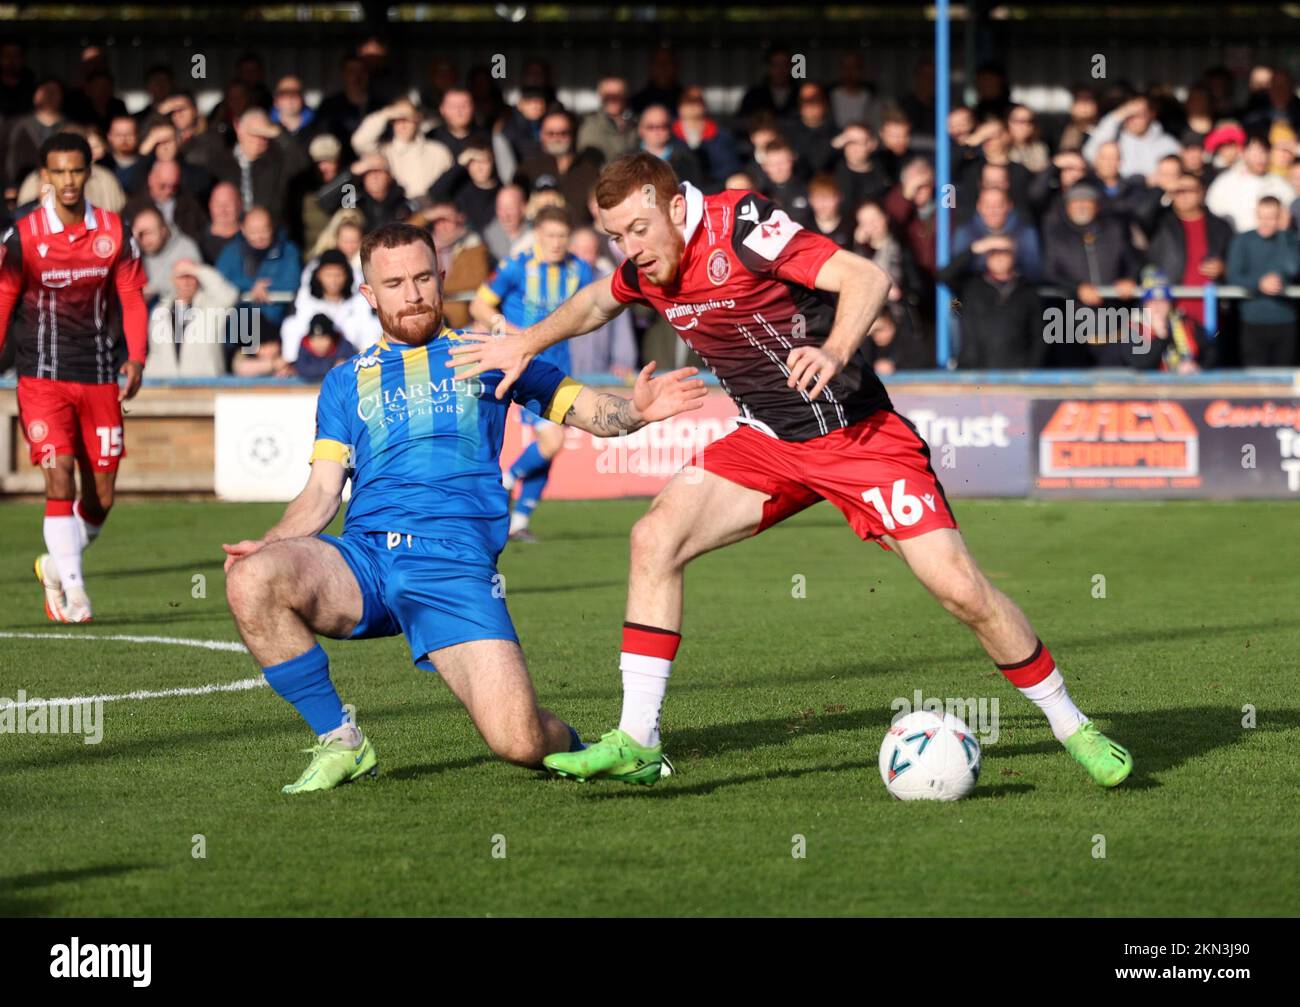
[(775, 714)]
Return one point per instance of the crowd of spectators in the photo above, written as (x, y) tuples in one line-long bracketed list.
[(263, 201)]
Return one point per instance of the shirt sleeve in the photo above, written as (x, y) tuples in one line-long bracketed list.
[(11, 278), (333, 440), (129, 278), (500, 283), (625, 284), (769, 243), (545, 390)]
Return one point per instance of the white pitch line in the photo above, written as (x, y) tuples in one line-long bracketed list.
[(242, 685), (178, 641), (197, 690)]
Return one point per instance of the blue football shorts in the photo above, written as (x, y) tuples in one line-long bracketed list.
[(436, 593)]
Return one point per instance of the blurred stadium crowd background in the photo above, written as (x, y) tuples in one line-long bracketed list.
[(261, 198)]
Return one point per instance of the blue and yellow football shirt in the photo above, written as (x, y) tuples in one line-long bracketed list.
[(422, 446), (527, 290)]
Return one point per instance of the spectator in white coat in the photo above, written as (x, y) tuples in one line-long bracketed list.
[(330, 295)]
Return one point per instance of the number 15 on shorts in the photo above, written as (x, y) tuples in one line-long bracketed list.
[(110, 441)]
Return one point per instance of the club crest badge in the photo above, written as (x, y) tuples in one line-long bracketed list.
[(719, 267)]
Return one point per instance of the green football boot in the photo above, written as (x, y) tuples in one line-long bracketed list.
[(1107, 762), (333, 763), (614, 757)]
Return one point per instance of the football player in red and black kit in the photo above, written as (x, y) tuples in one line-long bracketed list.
[(56, 266), (778, 314)]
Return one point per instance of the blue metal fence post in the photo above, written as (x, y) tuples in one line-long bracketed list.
[(942, 150), (1211, 311)]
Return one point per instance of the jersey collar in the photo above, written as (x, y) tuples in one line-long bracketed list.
[(54, 224), (446, 333), (694, 209)]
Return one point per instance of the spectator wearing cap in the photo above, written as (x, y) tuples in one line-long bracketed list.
[(1224, 145), (558, 165), (611, 129), (1001, 313), (329, 294), (1167, 339), (1087, 251), (1189, 243), (1142, 140), (471, 184), (655, 128), (197, 299), (461, 255), (1264, 261), (414, 161), (713, 147), (379, 198), (322, 349), (1236, 193), (312, 218), (261, 164)]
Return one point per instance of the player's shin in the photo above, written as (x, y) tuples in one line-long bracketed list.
[(90, 520), (646, 662), (304, 682), (63, 540), (1041, 683)]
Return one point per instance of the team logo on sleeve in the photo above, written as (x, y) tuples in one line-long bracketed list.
[(104, 246), (771, 236), (719, 267)]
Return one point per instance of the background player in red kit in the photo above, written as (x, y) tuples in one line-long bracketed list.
[(56, 265), (778, 314)]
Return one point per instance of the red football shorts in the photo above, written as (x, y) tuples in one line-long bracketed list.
[(72, 418), (877, 472)]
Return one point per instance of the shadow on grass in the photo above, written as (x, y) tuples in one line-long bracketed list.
[(12, 904)]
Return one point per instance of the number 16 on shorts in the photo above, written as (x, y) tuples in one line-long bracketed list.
[(903, 510)]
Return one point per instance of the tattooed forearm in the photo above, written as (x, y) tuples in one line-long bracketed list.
[(610, 415)]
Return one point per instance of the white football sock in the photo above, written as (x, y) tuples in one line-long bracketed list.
[(1051, 697), (63, 540), (645, 683), (518, 521), (89, 531)]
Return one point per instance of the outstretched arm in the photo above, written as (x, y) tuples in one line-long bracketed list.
[(862, 287), (588, 309), (607, 415), (309, 513)]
